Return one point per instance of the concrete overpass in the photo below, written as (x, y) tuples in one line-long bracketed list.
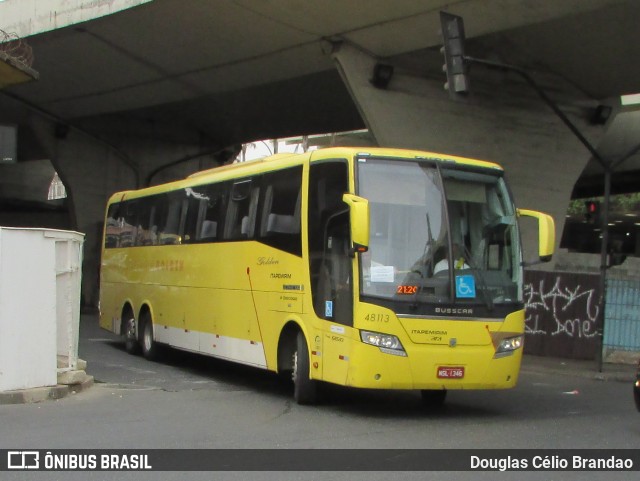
[(129, 86)]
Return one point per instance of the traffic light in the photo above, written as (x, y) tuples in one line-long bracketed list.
[(453, 49), (593, 211)]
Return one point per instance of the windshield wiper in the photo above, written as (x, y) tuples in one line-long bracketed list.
[(428, 245), (488, 300), (420, 266)]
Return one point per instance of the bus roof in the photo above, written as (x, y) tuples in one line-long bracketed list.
[(347, 152), (241, 165), (283, 160)]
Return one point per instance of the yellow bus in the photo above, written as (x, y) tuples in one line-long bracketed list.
[(362, 267)]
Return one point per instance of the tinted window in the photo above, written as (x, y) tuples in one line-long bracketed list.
[(147, 231), (241, 213), (172, 210), (212, 202), (329, 260), (112, 227), (280, 210)]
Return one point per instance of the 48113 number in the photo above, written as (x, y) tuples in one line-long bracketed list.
[(373, 317)]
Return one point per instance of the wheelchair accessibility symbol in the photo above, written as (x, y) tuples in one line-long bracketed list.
[(465, 287)]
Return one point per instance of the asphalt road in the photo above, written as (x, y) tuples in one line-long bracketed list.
[(190, 401)]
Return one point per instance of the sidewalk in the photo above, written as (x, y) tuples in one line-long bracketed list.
[(69, 382), (39, 394), (621, 372)]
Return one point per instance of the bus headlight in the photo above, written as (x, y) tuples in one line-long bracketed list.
[(386, 342), (507, 346)]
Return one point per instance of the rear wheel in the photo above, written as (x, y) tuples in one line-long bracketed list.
[(304, 388), (433, 398), (131, 344), (150, 348)]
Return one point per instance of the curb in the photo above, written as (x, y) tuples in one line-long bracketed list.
[(40, 394), (617, 376)]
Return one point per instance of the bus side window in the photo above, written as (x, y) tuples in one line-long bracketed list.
[(205, 212), (112, 229), (241, 212), (196, 206), (128, 223), (145, 233), (213, 221), (169, 225), (280, 210)]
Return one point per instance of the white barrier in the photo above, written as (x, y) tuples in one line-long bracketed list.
[(40, 274)]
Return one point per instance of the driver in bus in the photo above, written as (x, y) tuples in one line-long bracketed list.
[(458, 263)]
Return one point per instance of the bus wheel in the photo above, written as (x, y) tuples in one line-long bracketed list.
[(433, 398), (150, 348), (304, 388), (131, 344)]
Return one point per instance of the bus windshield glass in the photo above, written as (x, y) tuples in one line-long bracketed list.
[(439, 235)]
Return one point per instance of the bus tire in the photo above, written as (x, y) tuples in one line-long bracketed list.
[(433, 398), (150, 348), (304, 388), (131, 343)]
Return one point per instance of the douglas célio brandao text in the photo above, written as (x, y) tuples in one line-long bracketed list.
[(550, 463)]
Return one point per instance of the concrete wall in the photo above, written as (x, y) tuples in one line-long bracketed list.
[(152, 145), (503, 121), (26, 184), (26, 181), (92, 171), (56, 219)]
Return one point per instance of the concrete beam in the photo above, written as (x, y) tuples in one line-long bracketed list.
[(30, 17), (502, 121)]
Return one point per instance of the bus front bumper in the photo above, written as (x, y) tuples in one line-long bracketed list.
[(433, 367)]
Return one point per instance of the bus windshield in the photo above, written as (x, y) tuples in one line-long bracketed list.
[(439, 235)]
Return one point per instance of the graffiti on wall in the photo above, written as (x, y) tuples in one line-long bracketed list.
[(574, 309), (562, 313)]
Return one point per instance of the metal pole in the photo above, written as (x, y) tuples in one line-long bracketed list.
[(603, 263)]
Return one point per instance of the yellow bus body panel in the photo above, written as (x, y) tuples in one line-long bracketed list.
[(353, 363)]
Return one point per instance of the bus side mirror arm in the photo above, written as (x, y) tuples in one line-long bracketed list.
[(546, 234), (358, 222)]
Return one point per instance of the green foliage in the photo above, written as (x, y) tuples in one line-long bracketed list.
[(621, 203)]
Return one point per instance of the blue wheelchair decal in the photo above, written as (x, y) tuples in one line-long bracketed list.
[(465, 287), (328, 308)]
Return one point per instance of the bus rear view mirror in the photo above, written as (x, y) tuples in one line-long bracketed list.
[(359, 221), (546, 233)]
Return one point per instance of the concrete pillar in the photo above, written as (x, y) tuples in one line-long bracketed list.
[(503, 121), (92, 171)]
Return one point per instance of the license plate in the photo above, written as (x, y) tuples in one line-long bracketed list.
[(450, 372)]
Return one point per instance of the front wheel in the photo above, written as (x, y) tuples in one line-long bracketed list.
[(304, 388)]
